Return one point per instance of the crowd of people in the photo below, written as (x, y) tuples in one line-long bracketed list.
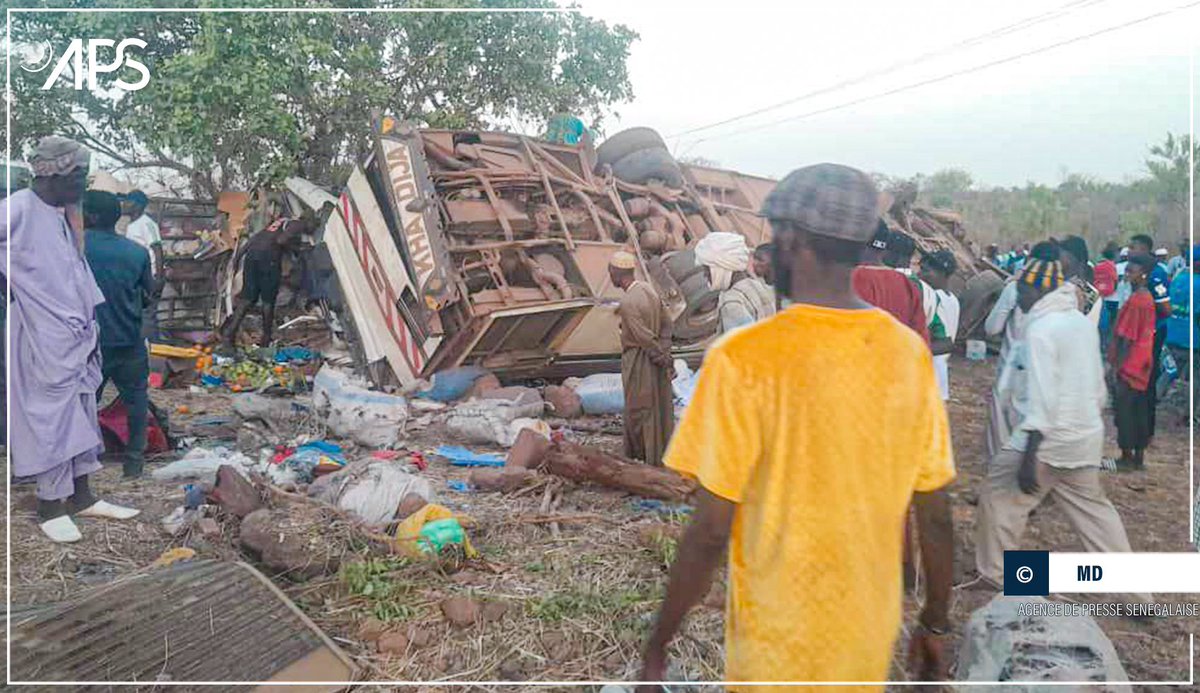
[(799, 487), (815, 498), (81, 313)]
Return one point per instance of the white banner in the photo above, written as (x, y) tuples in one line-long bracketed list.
[(1160, 573)]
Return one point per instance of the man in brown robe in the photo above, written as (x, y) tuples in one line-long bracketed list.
[(645, 364)]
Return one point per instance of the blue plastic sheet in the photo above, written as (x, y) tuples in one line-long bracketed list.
[(295, 353), (462, 457)]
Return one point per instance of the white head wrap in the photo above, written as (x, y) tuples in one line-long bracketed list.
[(723, 253), (58, 156)]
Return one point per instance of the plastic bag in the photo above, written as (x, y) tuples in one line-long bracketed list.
[(602, 393), (683, 385), (408, 533), (204, 462)]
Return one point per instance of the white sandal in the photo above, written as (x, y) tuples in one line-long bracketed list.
[(61, 530), (108, 510)]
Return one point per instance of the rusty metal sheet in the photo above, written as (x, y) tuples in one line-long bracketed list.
[(192, 622)]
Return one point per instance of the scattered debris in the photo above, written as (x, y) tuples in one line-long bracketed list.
[(580, 463), (193, 621), (235, 493), (280, 415), (563, 401), (204, 463), (412, 539), (370, 490), (411, 503), (371, 629), (529, 450), (392, 642), (369, 418), (462, 457), (451, 384), (171, 556), (602, 393), (290, 543), (1000, 644), (461, 611), (504, 480)]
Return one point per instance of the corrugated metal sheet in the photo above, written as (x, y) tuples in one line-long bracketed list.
[(198, 621)]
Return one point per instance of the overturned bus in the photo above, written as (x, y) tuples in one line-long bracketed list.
[(489, 248)]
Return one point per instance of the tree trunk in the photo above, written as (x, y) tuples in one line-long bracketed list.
[(580, 463)]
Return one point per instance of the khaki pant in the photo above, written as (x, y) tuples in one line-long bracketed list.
[(1004, 511)]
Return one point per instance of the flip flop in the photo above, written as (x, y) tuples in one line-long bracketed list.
[(61, 530), (108, 510)]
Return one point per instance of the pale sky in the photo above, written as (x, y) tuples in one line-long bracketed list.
[(1091, 107)]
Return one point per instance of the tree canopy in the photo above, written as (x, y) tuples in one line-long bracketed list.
[(240, 98)]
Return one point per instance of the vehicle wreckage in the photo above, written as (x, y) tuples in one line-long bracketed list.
[(479, 248)]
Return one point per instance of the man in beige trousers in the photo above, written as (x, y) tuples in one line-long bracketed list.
[(1056, 383)]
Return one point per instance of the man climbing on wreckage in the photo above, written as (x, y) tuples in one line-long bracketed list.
[(805, 493), (649, 414), (262, 271)]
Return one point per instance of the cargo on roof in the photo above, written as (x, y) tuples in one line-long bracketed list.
[(461, 247)]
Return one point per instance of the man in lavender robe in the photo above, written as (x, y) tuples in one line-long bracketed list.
[(55, 359)]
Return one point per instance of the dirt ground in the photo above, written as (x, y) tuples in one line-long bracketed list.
[(573, 601)]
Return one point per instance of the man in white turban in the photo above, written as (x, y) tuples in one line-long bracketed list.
[(744, 298)]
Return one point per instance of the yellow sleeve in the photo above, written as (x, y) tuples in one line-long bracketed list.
[(935, 455), (719, 440)]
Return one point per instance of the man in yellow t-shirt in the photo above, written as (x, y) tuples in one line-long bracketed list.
[(810, 434)]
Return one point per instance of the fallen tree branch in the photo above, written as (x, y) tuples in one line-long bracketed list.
[(581, 463)]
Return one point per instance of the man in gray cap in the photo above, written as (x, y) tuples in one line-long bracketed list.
[(810, 433), (55, 357)]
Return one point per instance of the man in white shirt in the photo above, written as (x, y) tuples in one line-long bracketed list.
[(142, 229), (1055, 381), (936, 269), (1006, 319)]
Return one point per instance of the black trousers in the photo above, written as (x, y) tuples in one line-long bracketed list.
[(1160, 338), (128, 368), (1133, 413)]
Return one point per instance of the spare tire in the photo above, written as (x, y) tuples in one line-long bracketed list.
[(976, 301), (696, 324), (627, 142), (679, 262), (649, 164)]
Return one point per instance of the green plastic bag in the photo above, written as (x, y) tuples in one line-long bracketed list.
[(439, 534)]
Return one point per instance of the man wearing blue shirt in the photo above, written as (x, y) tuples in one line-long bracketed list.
[(1182, 323), (1160, 289), (122, 271)]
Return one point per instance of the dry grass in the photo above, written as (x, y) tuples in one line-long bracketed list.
[(581, 592)]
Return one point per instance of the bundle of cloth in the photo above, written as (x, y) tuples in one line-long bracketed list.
[(724, 254)]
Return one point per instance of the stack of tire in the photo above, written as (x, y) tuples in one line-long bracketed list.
[(638, 156), (700, 318)]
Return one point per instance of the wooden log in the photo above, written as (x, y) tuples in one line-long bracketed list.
[(581, 463)]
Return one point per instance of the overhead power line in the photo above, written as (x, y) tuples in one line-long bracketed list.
[(942, 78), (878, 72)]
